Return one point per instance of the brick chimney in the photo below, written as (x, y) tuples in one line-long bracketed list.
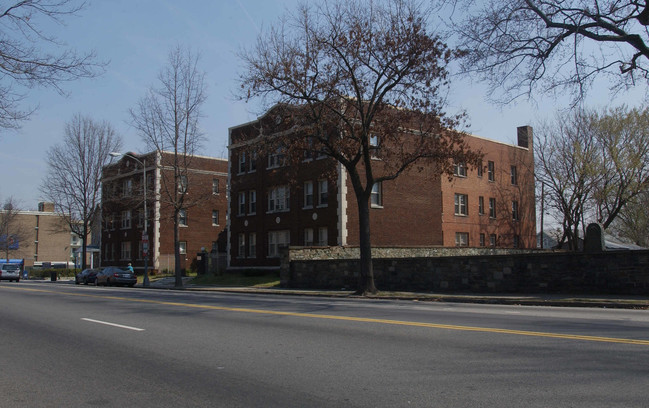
[(525, 136), (45, 207)]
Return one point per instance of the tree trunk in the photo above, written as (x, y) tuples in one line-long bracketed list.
[(366, 277), (178, 273), (84, 247)]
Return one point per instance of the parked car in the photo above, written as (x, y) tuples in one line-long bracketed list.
[(10, 272), (114, 275), (86, 276)]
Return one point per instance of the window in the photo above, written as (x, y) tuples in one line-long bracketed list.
[(126, 251), (492, 240), (215, 186), (480, 169), (517, 241), (127, 188), (182, 184), (278, 199), (308, 194), (514, 176), (492, 207), (461, 204), (491, 170), (482, 240), (459, 169), (376, 197), (375, 144), (126, 219), (183, 247), (322, 236), (308, 237), (276, 240), (242, 162), (276, 159), (140, 218), (481, 205), (515, 214), (242, 245), (253, 162), (242, 203), (215, 217), (461, 239), (182, 217), (252, 245), (252, 205), (323, 193)]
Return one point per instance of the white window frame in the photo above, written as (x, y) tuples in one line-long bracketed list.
[(276, 159), (182, 217), (276, 239), (215, 186), (308, 237), (215, 218), (242, 245), (125, 253), (461, 239), (182, 246), (242, 203), (516, 216), (323, 236), (459, 169), (461, 204), (252, 202), (481, 205), (127, 188), (308, 194), (323, 193), (492, 207), (513, 175), (279, 199), (252, 245), (182, 184), (376, 196), (242, 162), (126, 219), (491, 170)]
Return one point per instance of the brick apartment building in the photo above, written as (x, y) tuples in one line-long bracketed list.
[(202, 223), (271, 205), (46, 238)]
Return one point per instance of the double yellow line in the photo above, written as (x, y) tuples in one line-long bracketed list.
[(353, 319)]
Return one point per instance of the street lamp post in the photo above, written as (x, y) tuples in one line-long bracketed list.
[(145, 236)]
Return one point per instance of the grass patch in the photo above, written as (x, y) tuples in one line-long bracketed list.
[(240, 279)]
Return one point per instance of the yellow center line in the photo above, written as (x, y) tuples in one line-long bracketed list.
[(352, 319)]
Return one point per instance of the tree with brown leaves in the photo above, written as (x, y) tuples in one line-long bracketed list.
[(363, 83)]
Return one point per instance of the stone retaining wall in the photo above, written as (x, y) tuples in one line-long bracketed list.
[(471, 270)]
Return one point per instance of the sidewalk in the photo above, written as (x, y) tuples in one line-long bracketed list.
[(601, 301)]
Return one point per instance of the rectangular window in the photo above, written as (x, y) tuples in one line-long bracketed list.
[(480, 169), (481, 205), (308, 237), (182, 217), (182, 184), (491, 170), (215, 186), (242, 162), (183, 247), (376, 197), (492, 240), (276, 159), (242, 203), (375, 144), (126, 219), (515, 214), (242, 245), (323, 193), (492, 207), (482, 240), (127, 188), (140, 218), (459, 169), (517, 241), (308, 194), (323, 236), (215, 217), (278, 199), (252, 205), (514, 176), (126, 251), (461, 239), (252, 245), (253, 162), (461, 204), (276, 240)]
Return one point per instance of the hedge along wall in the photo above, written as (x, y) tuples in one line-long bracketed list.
[(477, 271)]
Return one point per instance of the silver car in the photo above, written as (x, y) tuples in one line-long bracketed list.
[(10, 272)]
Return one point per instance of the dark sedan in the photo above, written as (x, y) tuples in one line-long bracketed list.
[(86, 276), (113, 275)]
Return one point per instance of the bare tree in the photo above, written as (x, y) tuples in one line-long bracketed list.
[(523, 45), (73, 180), (31, 57), (593, 164), (632, 222), (167, 119), (12, 233), (363, 83)]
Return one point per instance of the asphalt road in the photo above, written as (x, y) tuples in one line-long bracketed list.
[(67, 345)]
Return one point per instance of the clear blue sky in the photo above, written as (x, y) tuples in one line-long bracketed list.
[(135, 38)]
